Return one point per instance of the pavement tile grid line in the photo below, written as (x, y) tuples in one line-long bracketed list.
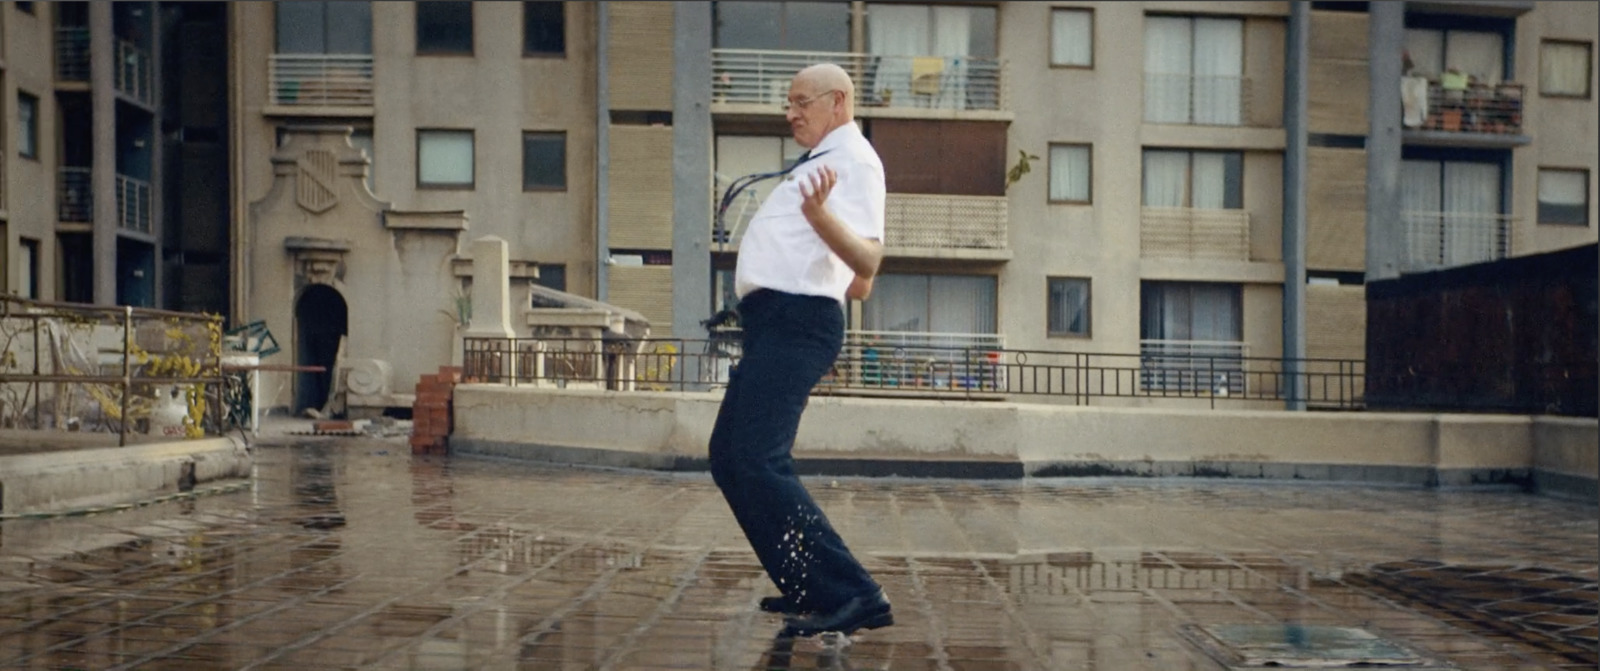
[(341, 560)]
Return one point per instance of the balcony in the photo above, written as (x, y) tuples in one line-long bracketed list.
[(321, 80), (132, 74), (133, 204), (1183, 233), (1188, 366), (75, 195), (1199, 100), (72, 54), (1437, 240), (909, 361), (945, 226), (756, 81), (1462, 115)]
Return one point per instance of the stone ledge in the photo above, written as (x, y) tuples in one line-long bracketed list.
[(66, 480)]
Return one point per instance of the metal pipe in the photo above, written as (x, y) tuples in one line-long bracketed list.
[(127, 371), (1294, 202), (602, 151)]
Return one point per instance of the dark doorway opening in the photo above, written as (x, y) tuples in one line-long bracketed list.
[(321, 321)]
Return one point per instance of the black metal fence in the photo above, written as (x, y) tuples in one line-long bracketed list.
[(982, 373)]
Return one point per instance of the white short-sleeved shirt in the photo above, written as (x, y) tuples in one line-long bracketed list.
[(780, 250)]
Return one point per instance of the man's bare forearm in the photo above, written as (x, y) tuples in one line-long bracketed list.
[(861, 254)]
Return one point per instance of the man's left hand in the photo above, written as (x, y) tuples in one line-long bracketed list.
[(815, 189)]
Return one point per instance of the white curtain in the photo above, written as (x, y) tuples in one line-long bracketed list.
[(1218, 69), (961, 304), (1210, 181), (1168, 46), (1564, 69), (740, 155), (1472, 198), (1071, 37), (445, 157), (1166, 179), (1191, 311), (1069, 306), (952, 39), (1215, 313), (898, 303), (898, 33), (1420, 210), (1426, 49), (1069, 173), (1479, 54)]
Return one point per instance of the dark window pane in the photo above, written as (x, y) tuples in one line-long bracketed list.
[(1233, 180), (28, 123), (1069, 306), (544, 160), (544, 28), (748, 25), (1551, 213), (816, 26), (553, 276), (300, 27), (349, 27), (984, 39), (444, 27)]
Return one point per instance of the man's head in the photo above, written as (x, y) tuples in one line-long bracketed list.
[(821, 98)]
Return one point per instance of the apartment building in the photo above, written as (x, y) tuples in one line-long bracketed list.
[(1141, 178)]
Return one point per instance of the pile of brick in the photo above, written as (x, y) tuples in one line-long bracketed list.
[(430, 413)]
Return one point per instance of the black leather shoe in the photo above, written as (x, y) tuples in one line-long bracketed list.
[(781, 605), (863, 612)]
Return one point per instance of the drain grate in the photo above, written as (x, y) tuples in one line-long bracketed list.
[(1291, 646)]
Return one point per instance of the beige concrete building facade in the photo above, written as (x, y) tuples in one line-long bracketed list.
[(1167, 165)]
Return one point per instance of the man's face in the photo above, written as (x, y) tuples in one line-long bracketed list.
[(810, 112)]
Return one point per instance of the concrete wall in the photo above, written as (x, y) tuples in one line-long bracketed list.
[(28, 185), (75, 479), (671, 430)]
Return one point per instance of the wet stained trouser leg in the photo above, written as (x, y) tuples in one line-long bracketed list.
[(790, 343)]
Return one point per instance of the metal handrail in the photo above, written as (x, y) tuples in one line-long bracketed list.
[(761, 77), (133, 204), (1447, 239), (321, 79)]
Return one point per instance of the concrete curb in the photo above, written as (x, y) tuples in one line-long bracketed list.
[(66, 480)]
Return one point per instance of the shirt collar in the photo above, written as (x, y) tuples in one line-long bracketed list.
[(837, 137)]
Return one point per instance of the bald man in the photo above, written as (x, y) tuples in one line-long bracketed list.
[(816, 241)]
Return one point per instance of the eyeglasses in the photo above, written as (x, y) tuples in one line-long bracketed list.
[(802, 104)]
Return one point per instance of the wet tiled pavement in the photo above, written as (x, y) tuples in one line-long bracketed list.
[(350, 554)]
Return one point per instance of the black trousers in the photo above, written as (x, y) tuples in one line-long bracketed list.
[(790, 343)]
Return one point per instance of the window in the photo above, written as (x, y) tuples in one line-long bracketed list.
[(1070, 171), (544, 29), (931, 304), (1563, 196), (444, 28), (791, 26), (1451, 211), (27, 125), (1190, 337), (1564, 69), (1201, 180), (26, 7), (544, 161), (75, 267), (338, 27), (1072, 38), (1478, 54), (444, 158), (29, 272), (1193, 70), (1068, 309), (936, 56), (552, 276)]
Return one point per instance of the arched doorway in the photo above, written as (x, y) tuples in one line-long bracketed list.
[(321, 320)]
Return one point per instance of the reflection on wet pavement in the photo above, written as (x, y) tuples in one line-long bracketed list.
[(343, 556)]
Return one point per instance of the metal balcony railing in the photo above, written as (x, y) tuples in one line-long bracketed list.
[(1184, 233), (133, 204), (902, 360), (72, 54), (132, 74), (1216, 366), (761, 77), (1200, 100), (332, 80), (1446, 239), (945, 222), (1478, 108), (75, 195)]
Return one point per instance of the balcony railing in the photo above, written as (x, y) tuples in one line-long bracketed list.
[(1446, 239), (910, 361), (133, 72), (75, 195), (1184, 233), (1478, 108), (1215, 366), (72, 54), (133, 204), (324, 80), (761, 77), (945, 222), (1201, 100)]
